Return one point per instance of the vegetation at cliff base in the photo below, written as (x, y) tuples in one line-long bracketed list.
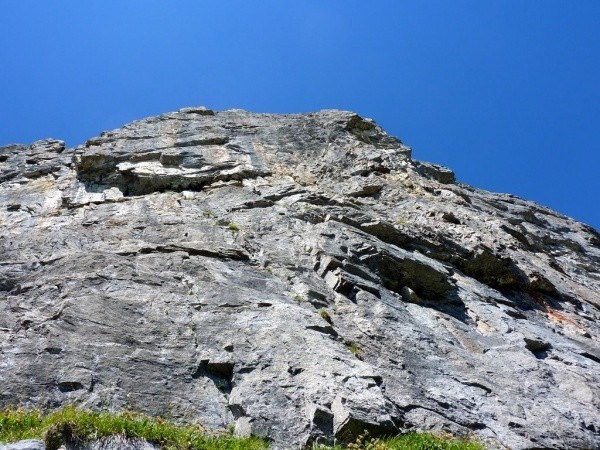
[(70, 423), (408, 441), (81, 425)]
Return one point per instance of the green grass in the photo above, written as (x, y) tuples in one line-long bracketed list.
[(402, 221), (426, 441), (325, 315), (409, 441), (82, 425), (355, 349), (77, 424), (233, 227)]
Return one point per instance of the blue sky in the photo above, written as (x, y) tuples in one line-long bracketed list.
[(506, 93)]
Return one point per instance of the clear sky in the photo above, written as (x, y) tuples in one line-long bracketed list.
[(506, 93)]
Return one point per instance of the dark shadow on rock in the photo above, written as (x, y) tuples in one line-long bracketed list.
[(220, 373)]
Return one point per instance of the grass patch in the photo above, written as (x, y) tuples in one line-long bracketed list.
[(355, 349), (402, 221), (426, 441), (70, 423), (233, 227), (409, 441), (325, 315)]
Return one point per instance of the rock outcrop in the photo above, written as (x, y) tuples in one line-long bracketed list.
[(298, 276)]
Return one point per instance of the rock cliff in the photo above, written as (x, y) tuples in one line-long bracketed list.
[(298, 276)]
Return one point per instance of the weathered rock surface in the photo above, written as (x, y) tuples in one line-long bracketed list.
[(298, 276), (112, 443), (28, 444), (117, 442)]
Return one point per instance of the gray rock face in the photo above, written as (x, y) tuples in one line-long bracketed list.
[(297, 276), (29, 444), (109, 443), (112, 443)]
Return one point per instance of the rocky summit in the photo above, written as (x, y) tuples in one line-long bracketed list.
[(298, 277)]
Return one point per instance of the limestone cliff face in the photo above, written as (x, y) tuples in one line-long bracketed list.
[(298, 276)]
